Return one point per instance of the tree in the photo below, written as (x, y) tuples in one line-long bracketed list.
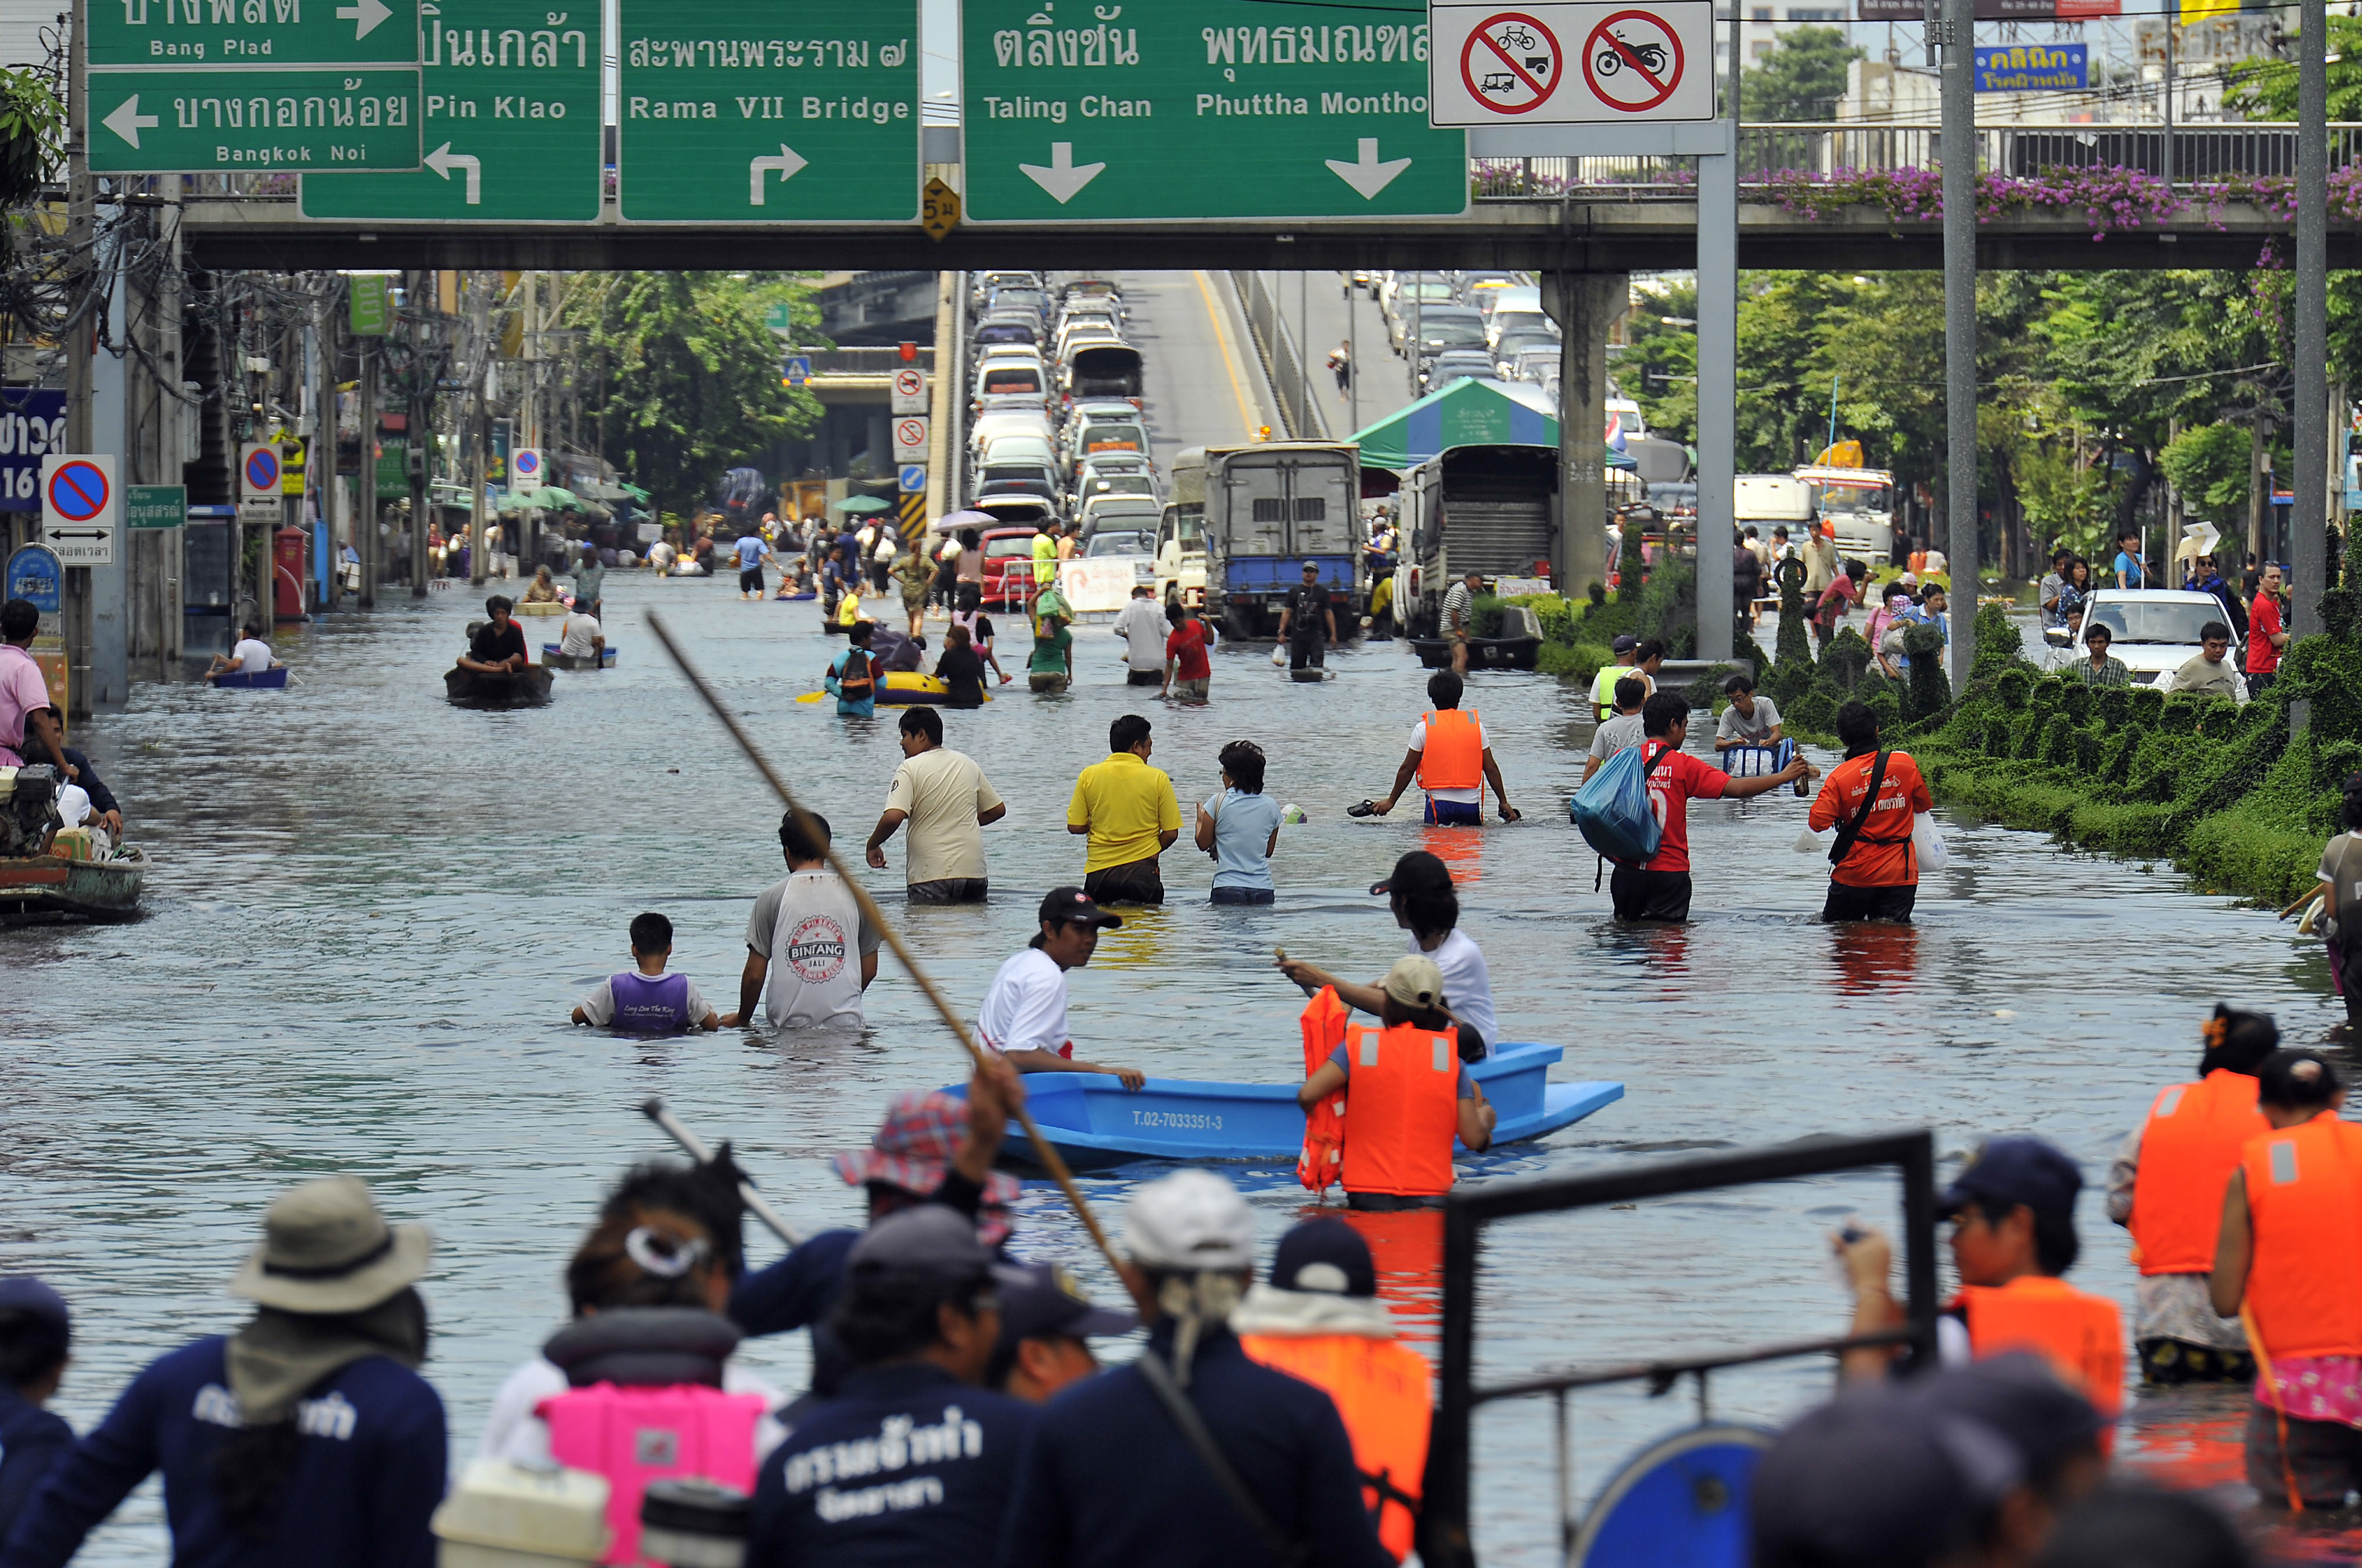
[(1659, 367), (2209, 465), (2265, 88), (1801, 78), (693, 376)]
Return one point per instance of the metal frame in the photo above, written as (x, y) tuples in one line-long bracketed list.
[(1444, 1521)]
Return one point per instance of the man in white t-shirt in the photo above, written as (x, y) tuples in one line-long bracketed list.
[(251, 656), (947, 801), (582, 635), (1143, 629), (1024, 1014), (810, 952)]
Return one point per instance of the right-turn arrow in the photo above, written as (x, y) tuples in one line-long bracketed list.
[(787, 163), (128, 122), (442, 160)]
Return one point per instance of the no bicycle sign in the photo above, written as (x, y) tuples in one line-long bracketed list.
[(1588, 63)]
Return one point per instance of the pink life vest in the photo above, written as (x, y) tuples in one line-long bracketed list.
[(633, 1436)]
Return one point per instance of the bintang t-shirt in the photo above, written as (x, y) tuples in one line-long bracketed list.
[(1675, 782), (810, 929), (1881, 857), (1127, 804), (942, 791)]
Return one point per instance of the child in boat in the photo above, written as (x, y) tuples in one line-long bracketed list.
[(648, 1001)]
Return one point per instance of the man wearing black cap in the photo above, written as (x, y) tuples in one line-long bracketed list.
[(1307, 621), (1047, 1327), (913, 1460), (1024, 1014), (1873, 1479), (2013, 1236), (35, 1336)]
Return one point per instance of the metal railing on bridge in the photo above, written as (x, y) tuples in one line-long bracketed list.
[(2200, 155)]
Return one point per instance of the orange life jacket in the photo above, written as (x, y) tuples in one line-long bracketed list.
[(2082, 1336), (1323, 1023), (2304, 1205), (2188, 1151), (1454, 757), (1406, 1110), (1381, 1390)]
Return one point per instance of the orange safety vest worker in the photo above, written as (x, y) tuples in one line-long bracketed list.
[(1454, 756), (1402, 1110), (2304, 1204), (1380, 1389), (2188, 1151), (2082, 1336)]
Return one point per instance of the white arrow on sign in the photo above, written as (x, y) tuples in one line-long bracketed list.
[(1368, 176), (128, 122), (1063, 177), (368, 14), (787, 163), (442, 160)]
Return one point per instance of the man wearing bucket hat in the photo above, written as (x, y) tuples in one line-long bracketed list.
[(930, 1150), (1195, 1455), (306, 1436)]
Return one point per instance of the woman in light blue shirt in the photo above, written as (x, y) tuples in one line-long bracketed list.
[(1240, 828)]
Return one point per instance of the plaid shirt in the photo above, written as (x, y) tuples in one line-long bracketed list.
[(2111, 674)]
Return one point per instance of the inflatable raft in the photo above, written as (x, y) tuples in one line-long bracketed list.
[(1097, 1124)]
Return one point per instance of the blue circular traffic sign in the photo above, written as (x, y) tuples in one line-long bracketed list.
[(528, 463), (263, 469), (78, 491)]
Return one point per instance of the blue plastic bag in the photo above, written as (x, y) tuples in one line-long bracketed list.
[(1612, 810)]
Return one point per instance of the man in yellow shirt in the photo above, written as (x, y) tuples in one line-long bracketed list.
[(1127, 810)]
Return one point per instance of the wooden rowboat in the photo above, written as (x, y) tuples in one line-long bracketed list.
[(50, 889), (514, 688), (1097, 1124), (271, 679), (557, 657)]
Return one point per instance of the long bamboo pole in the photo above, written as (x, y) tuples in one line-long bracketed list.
[(1043, 1150)]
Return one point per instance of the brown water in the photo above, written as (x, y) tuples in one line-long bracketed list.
[(372, 912)]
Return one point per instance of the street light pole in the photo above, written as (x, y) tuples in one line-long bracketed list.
[(1959, 149), (2309, 571)]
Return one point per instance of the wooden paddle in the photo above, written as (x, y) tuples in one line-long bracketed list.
[(1043, 1149)]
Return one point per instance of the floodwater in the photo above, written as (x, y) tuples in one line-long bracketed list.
[(372, 913)]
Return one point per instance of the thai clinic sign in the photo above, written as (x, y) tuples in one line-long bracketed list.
[(2032, 67), (1572, 64), (31, 426)]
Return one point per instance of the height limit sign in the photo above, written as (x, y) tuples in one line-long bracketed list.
[(1592, 63)]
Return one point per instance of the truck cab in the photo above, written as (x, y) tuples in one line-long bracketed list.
[(1857, 506), (1494, 511)]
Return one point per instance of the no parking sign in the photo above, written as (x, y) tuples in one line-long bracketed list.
[(1587, 63), (79, 508)]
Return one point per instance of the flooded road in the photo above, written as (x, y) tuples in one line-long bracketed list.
[(372, 913)]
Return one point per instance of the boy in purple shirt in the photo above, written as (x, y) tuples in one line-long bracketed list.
[(646, 1000)]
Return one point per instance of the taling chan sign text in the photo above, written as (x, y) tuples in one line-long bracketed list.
[(1597, 63)]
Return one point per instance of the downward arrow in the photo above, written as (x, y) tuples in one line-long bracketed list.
[(1062, 178), (128, 122), (368, 13), (787, 163), (442, 160), (1368, 176)]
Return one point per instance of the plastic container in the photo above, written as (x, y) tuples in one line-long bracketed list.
[(505, 1515), (690, 1523)]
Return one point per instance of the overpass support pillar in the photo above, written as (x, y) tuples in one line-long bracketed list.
[(1585, 305)]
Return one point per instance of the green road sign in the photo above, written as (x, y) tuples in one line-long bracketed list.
[(206, 121), (254, 32), (367, 308), (780, 317), (155, 506), (1201, 109), (511, 130), (794, 111)]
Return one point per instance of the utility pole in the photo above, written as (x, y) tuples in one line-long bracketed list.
[(1959, 149), (173, 420), (483, 492), (1718, 632), (81, 233), (364, 525), (426, 366), (2308, 569)]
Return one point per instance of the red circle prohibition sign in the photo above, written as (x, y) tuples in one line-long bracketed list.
[(78, 491), (912, 433), (1512, 66), (262, 468), (1659, 65)]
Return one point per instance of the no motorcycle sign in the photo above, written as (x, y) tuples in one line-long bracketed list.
[(1589, 63)]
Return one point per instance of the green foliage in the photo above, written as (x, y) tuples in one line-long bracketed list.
[(2063, 503), (1658, 368), (2209, 465), (32, 134), (1801, 78), (2265, 88), (693, 377)]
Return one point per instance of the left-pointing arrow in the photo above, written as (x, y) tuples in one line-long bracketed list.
[(128, 122), (787, 163), (442, 160), (368, 14)]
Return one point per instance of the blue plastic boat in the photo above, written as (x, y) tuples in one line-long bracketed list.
[(271, 679), (1097, 1124)]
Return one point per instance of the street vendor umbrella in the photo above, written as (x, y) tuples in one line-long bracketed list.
[(862, 506)]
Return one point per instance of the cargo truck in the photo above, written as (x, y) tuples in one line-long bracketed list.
[(1494, 511), (1263, 511)]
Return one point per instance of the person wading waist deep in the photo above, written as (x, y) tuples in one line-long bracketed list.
[(1410, 1096)]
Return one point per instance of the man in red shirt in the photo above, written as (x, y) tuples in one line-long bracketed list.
[(1877, 877), (1661, 889), (2265, 637), (1187, 668)]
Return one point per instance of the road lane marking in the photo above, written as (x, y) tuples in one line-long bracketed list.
[(1247, 419)]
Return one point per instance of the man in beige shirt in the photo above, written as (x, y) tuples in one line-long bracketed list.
[(2210, 672), (946, 799)]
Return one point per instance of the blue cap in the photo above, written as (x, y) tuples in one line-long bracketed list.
[(1873, 1479), (1324, 1255), (25, 1293), (2013, 1171)]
